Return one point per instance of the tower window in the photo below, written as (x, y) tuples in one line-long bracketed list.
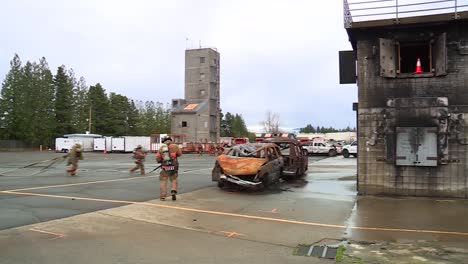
[(184, 124), (398, 58), (410, 52)]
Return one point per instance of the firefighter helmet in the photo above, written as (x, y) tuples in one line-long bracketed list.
[(164, 139), (78, 147)]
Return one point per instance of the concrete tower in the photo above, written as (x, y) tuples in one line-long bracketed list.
[(197, 116)]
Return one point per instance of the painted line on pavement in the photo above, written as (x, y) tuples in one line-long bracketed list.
[(49, 233), (232, 233), (80, 183), (92, 182), (279, 220)]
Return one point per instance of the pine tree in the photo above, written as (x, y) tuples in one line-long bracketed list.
[(228, 121), (133, 115), (63, 102), (8, 101), (119, 108), (162, 119), (239, 128), (25, 104), (81, 106), (43, 104), (100, 110)]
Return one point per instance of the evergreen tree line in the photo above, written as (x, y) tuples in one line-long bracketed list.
[(310, 129), (234, 126), (37, 106)]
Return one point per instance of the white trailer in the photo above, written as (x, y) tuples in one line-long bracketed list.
[(88, 143), (118, 144), (132, 142), (108, 144), (66, 144), (99, 144), (86, 139)]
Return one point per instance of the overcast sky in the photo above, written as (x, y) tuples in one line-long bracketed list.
[(276, 55)]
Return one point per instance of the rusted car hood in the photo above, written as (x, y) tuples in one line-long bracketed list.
[(240, 165)]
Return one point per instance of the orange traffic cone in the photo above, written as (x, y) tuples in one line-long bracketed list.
[(418, 66)]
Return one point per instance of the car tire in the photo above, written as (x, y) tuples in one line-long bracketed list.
[(346, 153), (332, 153), (265, 179), (220, 184)]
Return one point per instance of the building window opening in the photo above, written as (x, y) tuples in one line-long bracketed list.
[(202, 59), (410, 52), (184, 124)]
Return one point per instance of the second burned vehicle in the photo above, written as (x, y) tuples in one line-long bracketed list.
[(256, 166)]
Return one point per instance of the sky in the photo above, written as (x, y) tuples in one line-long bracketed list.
[(278, 56)]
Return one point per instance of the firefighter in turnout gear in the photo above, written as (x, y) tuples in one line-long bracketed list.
[(167, 156), (74, 156), (139, 157)]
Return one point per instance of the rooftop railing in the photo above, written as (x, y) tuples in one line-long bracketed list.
[(358, 11)]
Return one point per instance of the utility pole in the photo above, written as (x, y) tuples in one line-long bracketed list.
[(89, 119)]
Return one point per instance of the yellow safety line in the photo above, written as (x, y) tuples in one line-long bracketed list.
[(244, 216)]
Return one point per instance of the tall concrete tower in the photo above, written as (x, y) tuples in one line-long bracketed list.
[(197, 116)]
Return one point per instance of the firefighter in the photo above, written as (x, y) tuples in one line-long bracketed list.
[(212, 149), (168, 157), (200, 149), (74, 156), (139, 157)]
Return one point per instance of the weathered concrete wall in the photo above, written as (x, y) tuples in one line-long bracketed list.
[(195, 130), (376, 175)]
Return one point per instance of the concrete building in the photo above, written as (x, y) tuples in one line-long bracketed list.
[(197, 115), (411, 119)]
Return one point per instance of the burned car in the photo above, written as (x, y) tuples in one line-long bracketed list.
[(295, 158), (255, 166), (251, 166)]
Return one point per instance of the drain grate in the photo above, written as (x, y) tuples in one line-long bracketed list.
[(328, 252)]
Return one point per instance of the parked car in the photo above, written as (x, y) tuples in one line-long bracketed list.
[(350, 149), (338, 146), (295, 158), (319, 148)]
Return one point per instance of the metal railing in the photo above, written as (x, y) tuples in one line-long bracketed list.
[(356, 11)]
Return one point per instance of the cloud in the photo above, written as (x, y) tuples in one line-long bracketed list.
[(275, 55)]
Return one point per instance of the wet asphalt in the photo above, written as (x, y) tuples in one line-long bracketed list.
[(106, 215), (37, 170)]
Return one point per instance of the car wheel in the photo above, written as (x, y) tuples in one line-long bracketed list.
[(332, 153), (220, 184), (301, 171), (346, 153), (265, 179)]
